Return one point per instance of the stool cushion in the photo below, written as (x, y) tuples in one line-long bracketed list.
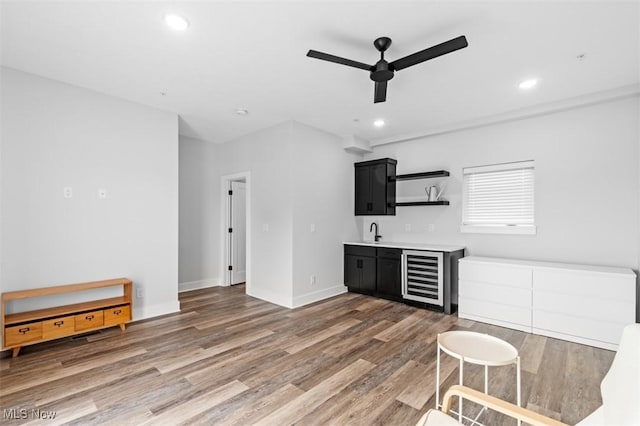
[(437, 418)]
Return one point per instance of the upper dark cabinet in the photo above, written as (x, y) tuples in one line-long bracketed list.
[(375, 187)]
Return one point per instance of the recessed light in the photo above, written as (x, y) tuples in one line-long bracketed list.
[(528, 84), (176, 22), (242, 111), (379, 122)]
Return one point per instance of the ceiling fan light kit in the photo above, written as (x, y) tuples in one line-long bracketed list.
[(384, 71)]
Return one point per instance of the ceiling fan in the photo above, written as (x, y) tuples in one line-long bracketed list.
[(383, 71)]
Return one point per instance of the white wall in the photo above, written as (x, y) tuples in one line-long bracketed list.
[(299, 176), (587, 203), (199, 214), (323, 197), (55, 135), (267, 156)]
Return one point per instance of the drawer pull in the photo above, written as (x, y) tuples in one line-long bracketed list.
[(58, 323), (117, 312), (24, 330), (89, 317)]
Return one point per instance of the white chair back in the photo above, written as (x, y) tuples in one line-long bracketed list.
[(621, 386)]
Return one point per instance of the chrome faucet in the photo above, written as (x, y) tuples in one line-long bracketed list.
[(376, 237)]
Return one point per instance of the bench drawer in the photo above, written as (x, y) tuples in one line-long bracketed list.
[(57, 327), (19, 334), (89, 320), (117, 315)]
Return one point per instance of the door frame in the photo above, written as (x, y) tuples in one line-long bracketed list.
[(225, 182)]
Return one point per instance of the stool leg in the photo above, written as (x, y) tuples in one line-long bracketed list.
[(486, 379), (438, 378), (459, 398), (518, 384)]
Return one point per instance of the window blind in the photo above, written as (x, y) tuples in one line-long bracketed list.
[(500, 195)]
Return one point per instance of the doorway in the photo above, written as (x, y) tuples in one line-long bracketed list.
[(236, 263)]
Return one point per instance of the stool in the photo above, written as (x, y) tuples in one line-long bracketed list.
[(479, 349)]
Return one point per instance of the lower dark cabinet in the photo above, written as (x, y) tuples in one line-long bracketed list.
[(373, 271), (360, 272), (389, 282), (377, 271)]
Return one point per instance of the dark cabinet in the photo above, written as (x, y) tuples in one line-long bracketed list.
[(373, 270), (388, 272), (375, 187), (377, 271), (360, 268)]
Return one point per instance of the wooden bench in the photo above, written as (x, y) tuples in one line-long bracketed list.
[(30, 327)]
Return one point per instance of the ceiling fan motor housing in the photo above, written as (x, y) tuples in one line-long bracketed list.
[(382, 71)]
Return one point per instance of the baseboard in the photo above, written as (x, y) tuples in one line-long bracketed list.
[(271, 297), (582, 340), (195, 285), (316, 296), (143, 312), (499, 323)]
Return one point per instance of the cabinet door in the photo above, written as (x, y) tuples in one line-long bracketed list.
[(389, 277), (352, 272), (378, 182), (368, 271), (363, 191)]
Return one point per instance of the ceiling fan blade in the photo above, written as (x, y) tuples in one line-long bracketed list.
[(430, 53), (338, 60), (380, 92)]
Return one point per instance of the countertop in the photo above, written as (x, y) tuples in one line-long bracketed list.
[(408, 246), (551, 265)]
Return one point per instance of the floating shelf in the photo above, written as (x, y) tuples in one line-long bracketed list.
[(423, 175), (424, 203)]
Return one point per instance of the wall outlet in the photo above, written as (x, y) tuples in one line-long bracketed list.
[(139, 293), (431, 227), (102, 193), (407, 227), (312, 280), (312, 228), (68, 192)]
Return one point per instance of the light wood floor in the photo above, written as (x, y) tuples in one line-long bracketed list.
[(231, 359)]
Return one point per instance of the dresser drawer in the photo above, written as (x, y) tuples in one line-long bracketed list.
[(57, 327), (494, 273), (89, 320), (19, 334), (117, 315), (501, 294)]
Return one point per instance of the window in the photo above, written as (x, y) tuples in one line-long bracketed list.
[(498, 199)]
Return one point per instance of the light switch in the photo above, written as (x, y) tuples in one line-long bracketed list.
[(312, 228), (265, 227), (407, 227), (432, 227)]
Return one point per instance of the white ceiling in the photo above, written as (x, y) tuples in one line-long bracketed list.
[(252, 55)]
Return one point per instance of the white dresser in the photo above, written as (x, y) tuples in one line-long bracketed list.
[(580, 303)]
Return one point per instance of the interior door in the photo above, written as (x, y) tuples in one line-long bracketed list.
[(238, 233)]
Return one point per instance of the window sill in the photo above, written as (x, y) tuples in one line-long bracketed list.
[(499, 229)]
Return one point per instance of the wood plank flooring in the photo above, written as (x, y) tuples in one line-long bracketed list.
[(230, 359)]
